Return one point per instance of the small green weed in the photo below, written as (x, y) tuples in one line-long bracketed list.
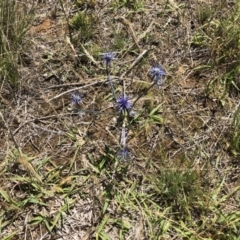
[(176, 188), (84, 23)]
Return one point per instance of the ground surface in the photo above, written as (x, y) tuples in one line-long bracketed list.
[(181, 178)]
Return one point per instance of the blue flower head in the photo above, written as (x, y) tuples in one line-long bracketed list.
[(123, 103), (123, 153), (108, 57), (76, 98), (157, 73)]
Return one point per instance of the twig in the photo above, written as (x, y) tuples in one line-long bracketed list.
[(143, 35), (89, 56), (78, 88), (128, 24), (67, 19), (77, 83), (137, 60)]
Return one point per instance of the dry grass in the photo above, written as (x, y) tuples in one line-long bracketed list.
[(61, 176)]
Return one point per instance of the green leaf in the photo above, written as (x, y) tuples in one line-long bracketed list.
[(104, 236), (103, 223), (105, 205), (157, 119), (155, 110), (37, 220), (5, 195), (126, 224), (10, 236)]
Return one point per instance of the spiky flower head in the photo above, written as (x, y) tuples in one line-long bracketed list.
[(76, 98), (108, 57), (123, 153), (124, 103), (157, 72)]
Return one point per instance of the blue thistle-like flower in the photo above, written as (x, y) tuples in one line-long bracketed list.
[(157, 73), (108, 57), (124, 103), (76, 98), (123, 153)]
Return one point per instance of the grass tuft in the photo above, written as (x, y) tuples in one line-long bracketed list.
[(15, 18), (220, 34), (84, 24)]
